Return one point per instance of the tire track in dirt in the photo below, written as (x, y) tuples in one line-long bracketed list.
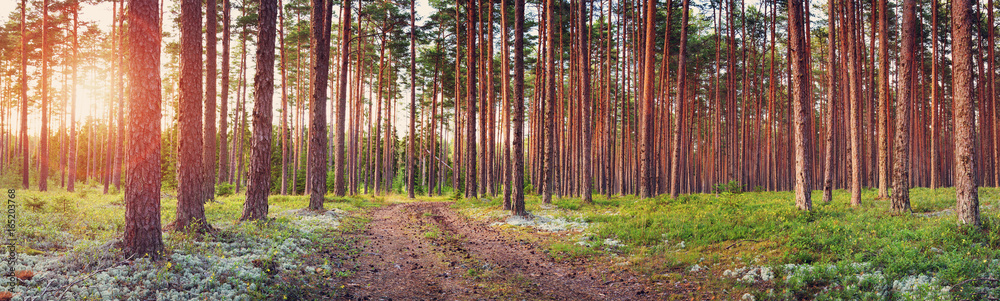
[(426, 251)]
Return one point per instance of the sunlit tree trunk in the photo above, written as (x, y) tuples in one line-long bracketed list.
[(678, 155), (831, 108), (318, 76), (470, 108), (191, 171), (259, 179), (143, 237), (801, 106), (587, 105), (345, 54), (646, 125), (24, 99), (285, 148), (224, 99), (410, 175), (71, 184), (43, 139), (854, 94), (967, 195), (210, 97), (901, 168), (548, 105), (517, 174), (935, 126), (883, 99)]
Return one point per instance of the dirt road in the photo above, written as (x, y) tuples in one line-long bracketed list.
[(426, 251)]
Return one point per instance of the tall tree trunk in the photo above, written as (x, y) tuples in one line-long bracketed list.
[(678, 154), (801, 106), (517, 174), (831, 126), (120, 142), (318, 76), (259, 179), (142, 192), (191, 171), (587, 104), (993, 125), (934, 123), (646, 125), (410, 151), (548, 105), (210, 98), (470, 108), (109, 153), (43, 139), (901, 168), (345, 55), (224, 99), (967, 195), (285, 148), (883, 99), (24, 99), (854, 83), (71, 185)]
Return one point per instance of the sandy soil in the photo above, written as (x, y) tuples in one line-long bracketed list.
[(426, 251)]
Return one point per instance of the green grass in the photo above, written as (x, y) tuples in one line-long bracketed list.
[(78, 225), (53, 220), (765, 228)]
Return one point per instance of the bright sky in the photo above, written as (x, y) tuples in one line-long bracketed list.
[(102, 14)]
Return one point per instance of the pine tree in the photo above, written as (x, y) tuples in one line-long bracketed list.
[(143, 237)]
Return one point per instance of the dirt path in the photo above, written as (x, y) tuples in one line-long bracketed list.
[(426, 251)]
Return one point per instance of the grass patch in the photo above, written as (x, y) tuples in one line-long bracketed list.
[(663, 236)]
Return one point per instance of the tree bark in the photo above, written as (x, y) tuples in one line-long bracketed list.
[(678, 155), (43, 139), (883, 99), (340, 186), (210, 98), (831, 109), (901, 168), (142, 186), (24, 99), (646, 125), (935, 126), (584, 49), (548, 106), (191, 171), (224, 103), (517, 174), (318, 76), (800, 106), (71, 185), (967, 195), (285, 148), (259, 179), (410, 151), (470, 108)]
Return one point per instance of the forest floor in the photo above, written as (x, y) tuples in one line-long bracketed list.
[(427, 251), (730, 246)]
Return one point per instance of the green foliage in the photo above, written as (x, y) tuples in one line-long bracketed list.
[(834, 252), (568, 203), (528, 188), (34, 204), (563, 251), (224, 189), (733, 187)]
